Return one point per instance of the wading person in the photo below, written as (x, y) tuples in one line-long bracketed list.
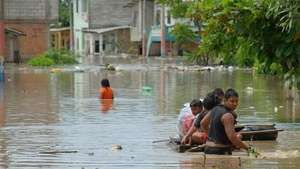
[(187, 116), (195, 133), (106, 91), (219, 123), (106, 95)]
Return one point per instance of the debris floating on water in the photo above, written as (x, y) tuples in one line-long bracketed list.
[(116, 147), (59, 152), (110, 67)]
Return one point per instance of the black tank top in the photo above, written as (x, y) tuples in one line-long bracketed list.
[(217, 132)]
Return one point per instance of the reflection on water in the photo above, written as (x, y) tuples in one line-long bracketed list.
[(2, 106), (106, 105), (45, 112), (211, 162)]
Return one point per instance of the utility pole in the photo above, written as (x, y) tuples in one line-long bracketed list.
[(163, 32), (144, 28), (71, 26), (2, 40), (2, 32)]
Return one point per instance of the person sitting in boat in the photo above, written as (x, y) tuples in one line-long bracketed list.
[(219, 93), (219, 123), (195, 135), (187, 116)]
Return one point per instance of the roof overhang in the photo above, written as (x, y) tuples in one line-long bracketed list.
[(59, 29), (104, 30), (14, 32)]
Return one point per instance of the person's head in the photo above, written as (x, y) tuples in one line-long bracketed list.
[(196, 106), (231, 99), (105, 83), (210, 101), (219, 93)]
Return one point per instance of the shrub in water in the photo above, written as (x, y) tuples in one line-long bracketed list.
[(41, 61), (54, 57)]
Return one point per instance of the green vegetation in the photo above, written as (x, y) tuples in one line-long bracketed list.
[(53, 57), (64, 11), (263, 34)]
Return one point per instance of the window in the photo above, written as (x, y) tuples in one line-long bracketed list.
[(77, 43), (77, 6), (84, 5), (158, 17), (97, 46), (135, 16), (169, 17), (83, 41)]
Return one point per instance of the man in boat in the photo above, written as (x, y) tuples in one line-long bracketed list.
[(195, 134), (219, 123), (187, 116)]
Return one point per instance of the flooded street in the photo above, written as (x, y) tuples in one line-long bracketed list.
[(55, 120)]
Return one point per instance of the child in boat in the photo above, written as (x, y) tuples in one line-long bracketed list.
[(195, 135), (106, 91), (187, 116)]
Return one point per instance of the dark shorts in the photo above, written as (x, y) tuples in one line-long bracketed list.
[(218, 150)]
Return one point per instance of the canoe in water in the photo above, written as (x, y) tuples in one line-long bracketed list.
[(175, 144), (259, 132), (256, 135)]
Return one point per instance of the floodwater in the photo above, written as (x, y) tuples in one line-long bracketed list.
[(55, 119)]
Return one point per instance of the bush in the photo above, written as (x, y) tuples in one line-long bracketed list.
[(41, 61), (54, 57)]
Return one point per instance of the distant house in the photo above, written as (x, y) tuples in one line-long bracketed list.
[(154, 34), (24, 27), (110, 26)]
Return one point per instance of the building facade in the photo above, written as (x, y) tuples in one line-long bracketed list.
[(24, 27), (109, 27)]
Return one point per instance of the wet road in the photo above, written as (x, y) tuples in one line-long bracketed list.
[(55, 120)]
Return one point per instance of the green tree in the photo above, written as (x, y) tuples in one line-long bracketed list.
[(64, 13), (261, 33)]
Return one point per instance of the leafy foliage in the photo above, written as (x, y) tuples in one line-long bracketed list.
[(41, 61), (53, 57), (64, 17), (260, 33)]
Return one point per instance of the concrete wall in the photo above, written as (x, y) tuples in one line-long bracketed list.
[(110, 13), (136, 31), (30, 9), (80, 22)]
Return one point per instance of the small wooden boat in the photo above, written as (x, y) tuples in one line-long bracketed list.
[(259, 132), (270, 134), (255, 132), (175, 144)]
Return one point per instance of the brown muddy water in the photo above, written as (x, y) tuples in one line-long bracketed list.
[(55, 120)]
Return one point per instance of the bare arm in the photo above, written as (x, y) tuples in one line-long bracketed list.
[(205, 123), (228, 122), (186, 138)]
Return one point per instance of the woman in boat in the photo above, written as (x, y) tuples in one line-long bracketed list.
[(187, 116), (219, 123), (195, 135)]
